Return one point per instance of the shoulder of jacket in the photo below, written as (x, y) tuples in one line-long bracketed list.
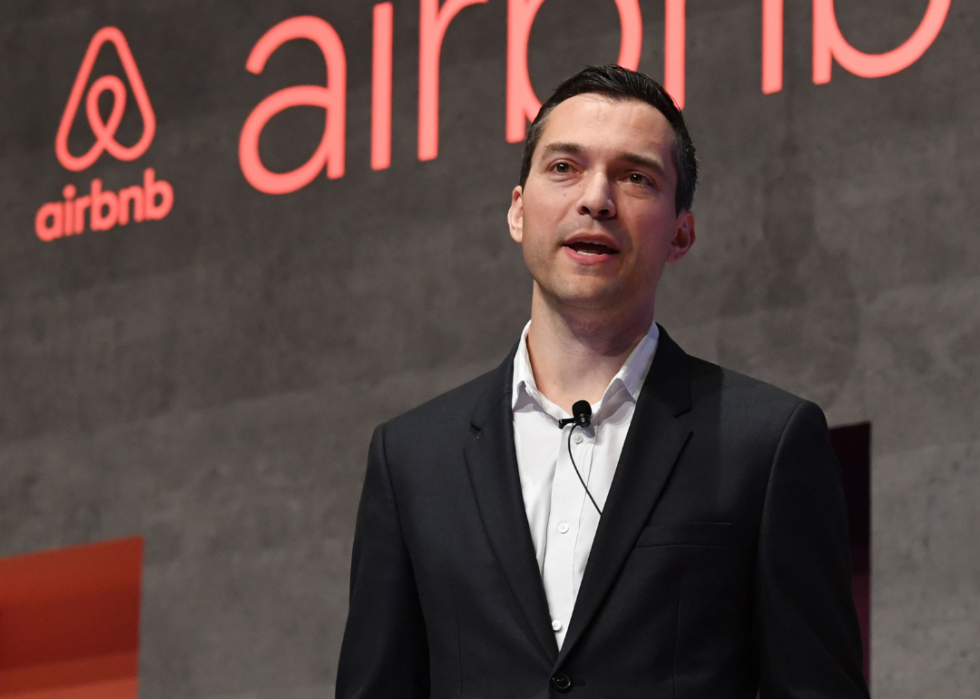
[(449, 410), (737, 391)]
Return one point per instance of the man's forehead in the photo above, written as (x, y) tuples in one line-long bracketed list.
[(594, 120)]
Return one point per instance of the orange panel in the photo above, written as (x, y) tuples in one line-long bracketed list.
[(69, 622)]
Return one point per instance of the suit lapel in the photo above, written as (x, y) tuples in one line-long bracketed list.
[(653, 444), (492, 464)]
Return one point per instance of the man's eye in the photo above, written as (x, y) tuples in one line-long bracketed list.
[(561, 167), (637, 178)]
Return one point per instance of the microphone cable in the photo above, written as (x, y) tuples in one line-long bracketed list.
[(581, 417)]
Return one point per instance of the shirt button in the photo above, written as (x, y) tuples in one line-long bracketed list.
[(563, 528), (578, 439), (556, 625)]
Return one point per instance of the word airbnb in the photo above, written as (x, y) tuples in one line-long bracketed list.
[(106, 209), (830, 47), (152, 200)]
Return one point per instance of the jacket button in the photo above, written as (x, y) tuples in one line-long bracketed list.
[(562, 682)]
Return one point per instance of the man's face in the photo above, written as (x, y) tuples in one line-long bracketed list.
[(596, 217)]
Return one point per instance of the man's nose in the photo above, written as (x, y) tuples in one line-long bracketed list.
[(598, 198)]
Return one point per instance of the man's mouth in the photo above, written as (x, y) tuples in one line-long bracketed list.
[(587, 248)]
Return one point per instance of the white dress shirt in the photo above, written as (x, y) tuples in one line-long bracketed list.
[(563, 520)]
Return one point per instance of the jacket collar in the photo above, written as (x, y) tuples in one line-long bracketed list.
[(491, 461)]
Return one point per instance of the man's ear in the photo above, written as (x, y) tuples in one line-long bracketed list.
[(515, 215), (684, 236)]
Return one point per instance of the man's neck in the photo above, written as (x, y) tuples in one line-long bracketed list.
[(575, 353)]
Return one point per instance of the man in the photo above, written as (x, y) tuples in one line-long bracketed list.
[(689, 541)]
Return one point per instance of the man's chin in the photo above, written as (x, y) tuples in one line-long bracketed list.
[(588, 296)]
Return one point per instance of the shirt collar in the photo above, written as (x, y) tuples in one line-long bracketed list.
[(630, 376)]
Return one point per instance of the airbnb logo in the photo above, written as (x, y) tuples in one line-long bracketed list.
[(106, 209), (105, 134)]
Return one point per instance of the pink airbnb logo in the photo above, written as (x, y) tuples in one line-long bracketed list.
[(105, 133), (103, 209)]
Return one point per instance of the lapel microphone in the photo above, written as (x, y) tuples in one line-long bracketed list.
[(581, 417)]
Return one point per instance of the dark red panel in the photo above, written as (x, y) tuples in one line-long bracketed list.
[(69, 622)]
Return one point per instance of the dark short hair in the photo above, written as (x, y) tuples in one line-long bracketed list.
[(619, 83)]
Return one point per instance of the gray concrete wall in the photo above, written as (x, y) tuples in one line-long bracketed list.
[(210, 381)]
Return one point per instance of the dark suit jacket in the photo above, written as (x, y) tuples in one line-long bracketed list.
[(720, 566)]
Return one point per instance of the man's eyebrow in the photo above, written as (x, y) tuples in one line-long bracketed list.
[(562, 149), (643, 161)]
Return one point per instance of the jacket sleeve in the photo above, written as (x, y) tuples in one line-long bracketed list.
[(384, 654), (807, 631)]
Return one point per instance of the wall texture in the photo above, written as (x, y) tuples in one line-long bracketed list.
[(210, 380)]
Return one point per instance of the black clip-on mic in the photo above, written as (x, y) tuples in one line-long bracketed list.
[(581, 417)]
